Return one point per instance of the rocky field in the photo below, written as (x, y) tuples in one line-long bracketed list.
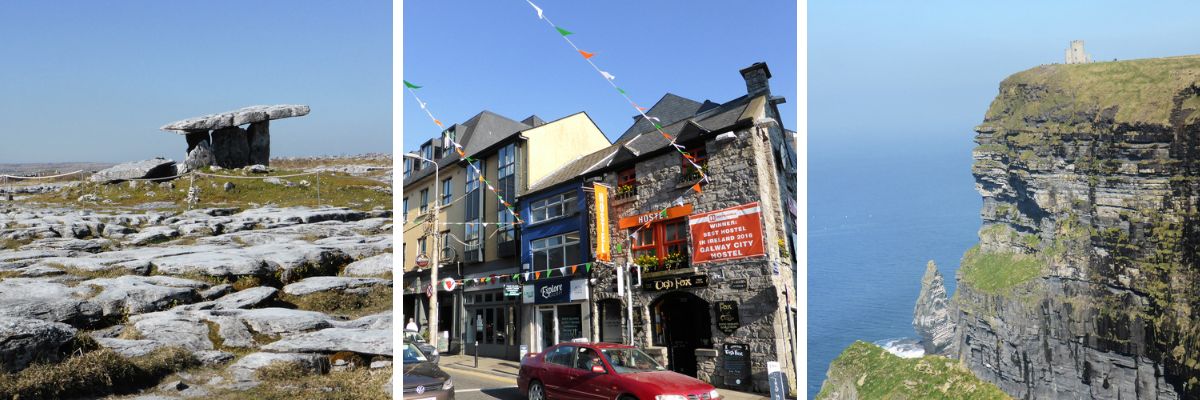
[(234, 300)]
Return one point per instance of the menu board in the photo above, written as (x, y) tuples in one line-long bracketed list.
[(570, 322), (728, 320), (737, 364)]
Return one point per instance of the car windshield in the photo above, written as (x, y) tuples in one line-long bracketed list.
[(413, 355), (629, 360)]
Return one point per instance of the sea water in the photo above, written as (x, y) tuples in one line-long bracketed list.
[(877, 214)]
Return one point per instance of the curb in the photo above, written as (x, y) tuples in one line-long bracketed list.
[(490, 373)]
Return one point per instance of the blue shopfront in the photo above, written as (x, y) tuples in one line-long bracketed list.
[(555, 235)]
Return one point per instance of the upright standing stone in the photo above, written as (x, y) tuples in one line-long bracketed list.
[(259, 137), (199, 157), (230, 147)]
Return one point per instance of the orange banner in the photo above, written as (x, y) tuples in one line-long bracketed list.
[(602, 239), (727, 234)]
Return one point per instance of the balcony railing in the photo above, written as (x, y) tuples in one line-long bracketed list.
[(626, 191)]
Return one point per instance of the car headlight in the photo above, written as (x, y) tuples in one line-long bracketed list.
[(714, 394), (670, 397), (449, 384)]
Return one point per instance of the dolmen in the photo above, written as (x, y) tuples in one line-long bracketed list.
[(219, 139)]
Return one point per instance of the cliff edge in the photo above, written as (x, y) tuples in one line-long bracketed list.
[(1085, 280), (867, 371)]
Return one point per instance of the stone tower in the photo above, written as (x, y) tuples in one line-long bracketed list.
[(1075, 54)]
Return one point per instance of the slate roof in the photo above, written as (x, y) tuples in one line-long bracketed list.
[(476, 134), (711, 119), (669, 109), (575, 169)]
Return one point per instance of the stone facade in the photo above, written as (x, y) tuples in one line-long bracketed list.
[(742, 171)]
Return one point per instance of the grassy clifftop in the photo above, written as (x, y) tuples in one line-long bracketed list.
[(1122, 92), (866, 371)]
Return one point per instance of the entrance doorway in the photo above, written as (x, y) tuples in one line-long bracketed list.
[(681, 324), (556, 324)]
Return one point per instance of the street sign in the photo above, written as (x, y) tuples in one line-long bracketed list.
[(449, 284), (728, 320), (422, 261)]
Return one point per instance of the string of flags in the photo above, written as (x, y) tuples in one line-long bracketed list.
[(612, 81), (458, 148), (528, 276)]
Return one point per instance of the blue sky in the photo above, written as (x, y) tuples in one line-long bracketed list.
[(93, 81), (496, 55), (925, 72)]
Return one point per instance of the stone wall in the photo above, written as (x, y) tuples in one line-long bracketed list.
[(741, 171)]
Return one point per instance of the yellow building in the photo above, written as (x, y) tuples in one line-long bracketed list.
[(476, 233)]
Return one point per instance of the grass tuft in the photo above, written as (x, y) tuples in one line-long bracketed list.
[(94, 373), (343, 304)]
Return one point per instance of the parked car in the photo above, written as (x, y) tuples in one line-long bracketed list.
[(428, 349), (423, 379), (604, 371)]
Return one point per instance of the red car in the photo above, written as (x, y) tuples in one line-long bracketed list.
[(604, 371)]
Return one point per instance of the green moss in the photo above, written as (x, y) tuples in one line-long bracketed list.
[(877, 374), (996, 273)]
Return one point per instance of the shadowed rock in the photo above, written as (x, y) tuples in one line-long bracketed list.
[(24, 340), (148, 169)]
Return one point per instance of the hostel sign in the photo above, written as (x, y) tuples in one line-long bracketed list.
[(727, 234)]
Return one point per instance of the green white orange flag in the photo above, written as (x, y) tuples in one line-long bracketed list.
[(563, 32)]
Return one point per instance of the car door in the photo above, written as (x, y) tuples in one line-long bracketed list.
[(586, 384), (559, 363)]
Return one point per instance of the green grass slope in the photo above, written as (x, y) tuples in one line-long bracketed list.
[(866, 371)]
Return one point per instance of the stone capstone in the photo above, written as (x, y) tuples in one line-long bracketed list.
[(237, 117)]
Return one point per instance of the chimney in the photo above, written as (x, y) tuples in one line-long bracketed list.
[(756, 76)]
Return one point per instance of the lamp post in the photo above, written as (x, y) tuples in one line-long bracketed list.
[(433, 279)]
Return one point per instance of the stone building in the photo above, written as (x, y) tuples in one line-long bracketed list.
[(1076, 55), (703, 311)]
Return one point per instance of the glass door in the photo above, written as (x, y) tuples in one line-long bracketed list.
[(547, 328)]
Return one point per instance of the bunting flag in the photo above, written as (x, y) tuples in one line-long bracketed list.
[(588, 267), (573, 268), (459, 148), (610, 79), (696, 187), (535, 7), (537, 275)]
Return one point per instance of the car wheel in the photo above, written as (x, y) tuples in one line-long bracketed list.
[(536, 391)]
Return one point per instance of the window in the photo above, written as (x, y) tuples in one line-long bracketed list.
[(564, 356), (424, 200), (444, 241), (506, 175), (408, 165), (553, 207), (472, 213), (699, 157), (421, 246), (427, 151), (555, 251), (587, 358), (662, 246), (626, 184), (405, 210), (447, 191)]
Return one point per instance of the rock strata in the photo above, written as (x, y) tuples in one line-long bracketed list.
[(931, 318)]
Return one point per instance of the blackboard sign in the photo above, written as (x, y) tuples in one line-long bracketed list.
[(736, 358), (674, 282), (728, 320), (737, 284)]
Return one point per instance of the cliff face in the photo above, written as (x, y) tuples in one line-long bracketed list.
[(1085, 280)]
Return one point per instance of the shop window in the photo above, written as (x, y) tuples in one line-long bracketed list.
[(555, 251), (662, 246), (699, 157), (627, 184)]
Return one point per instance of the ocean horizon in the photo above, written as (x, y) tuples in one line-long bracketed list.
[(877, 214)]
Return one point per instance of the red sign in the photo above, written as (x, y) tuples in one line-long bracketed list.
[(727, 234)]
